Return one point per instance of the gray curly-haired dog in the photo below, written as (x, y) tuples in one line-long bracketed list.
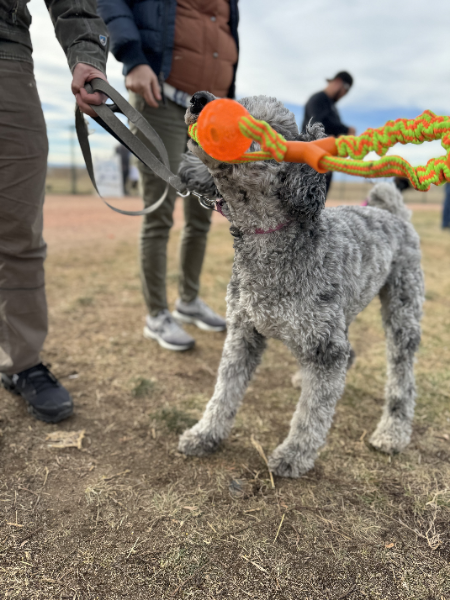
[(301, 274)]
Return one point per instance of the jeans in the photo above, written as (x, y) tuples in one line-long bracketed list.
[(169, 124), (446, 207), (23, 167)]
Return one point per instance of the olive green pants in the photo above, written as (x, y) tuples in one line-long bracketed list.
[(169, 124), (23, 166)]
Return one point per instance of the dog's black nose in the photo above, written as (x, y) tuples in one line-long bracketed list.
[(199, 100)]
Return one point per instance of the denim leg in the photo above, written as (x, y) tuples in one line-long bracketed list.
[(169, 124), (446, 207)]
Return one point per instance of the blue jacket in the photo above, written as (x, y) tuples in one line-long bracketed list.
[(142, 32)]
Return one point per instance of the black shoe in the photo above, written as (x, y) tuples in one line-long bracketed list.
[(47, 399)]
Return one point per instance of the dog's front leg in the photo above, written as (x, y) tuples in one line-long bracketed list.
[(323, 380), (241, 355)]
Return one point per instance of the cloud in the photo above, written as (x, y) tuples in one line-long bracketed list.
[(395, 49)]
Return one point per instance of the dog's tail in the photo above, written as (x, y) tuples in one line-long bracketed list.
[(388, 197)]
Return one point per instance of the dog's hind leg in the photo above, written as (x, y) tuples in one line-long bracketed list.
[(323, 379), (241, 355), (401, 309)]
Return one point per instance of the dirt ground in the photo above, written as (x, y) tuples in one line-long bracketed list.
[(123, 515)]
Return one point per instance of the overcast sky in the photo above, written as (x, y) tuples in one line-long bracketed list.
[(395, 49)]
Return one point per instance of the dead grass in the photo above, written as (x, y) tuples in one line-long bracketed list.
[(126, 516)]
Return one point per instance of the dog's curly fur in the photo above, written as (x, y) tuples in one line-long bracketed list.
[(304, 285)]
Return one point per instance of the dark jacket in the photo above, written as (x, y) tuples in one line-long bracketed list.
[(142, 33), (80, 31), (321, 109)]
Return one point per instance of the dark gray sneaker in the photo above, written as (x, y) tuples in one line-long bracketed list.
[(167, 332), (200, 314), (47, 399)]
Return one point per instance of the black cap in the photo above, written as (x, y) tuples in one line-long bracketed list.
[(345, 76)]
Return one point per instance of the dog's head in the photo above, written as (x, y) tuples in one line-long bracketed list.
[(264, 193)]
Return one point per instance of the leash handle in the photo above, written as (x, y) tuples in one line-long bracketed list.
[(107, 119)]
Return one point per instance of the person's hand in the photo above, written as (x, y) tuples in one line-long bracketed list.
[(351, 131), (142, 80), (81, 75)]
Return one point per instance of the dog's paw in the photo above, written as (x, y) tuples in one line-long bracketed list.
[(194, 442), (290, 461), (391, 437), (296, 380)]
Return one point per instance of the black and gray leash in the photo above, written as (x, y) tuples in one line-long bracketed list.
[(107, 118)]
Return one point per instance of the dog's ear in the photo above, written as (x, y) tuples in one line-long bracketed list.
[(302, 189), (196, 176)]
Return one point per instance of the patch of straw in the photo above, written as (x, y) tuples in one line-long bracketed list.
[(66, 439), (260, 451)]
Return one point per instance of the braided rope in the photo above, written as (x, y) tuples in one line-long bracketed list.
[(424, 128), (261, 132), (193, 133)]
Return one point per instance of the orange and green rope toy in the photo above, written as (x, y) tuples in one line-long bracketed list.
[(225, 130)]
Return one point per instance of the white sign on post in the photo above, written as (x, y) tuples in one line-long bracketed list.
[(108, 174)]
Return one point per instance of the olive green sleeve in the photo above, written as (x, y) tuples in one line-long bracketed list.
[(80, 31)]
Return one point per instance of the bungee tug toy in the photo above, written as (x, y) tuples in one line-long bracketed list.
[(225, 130)]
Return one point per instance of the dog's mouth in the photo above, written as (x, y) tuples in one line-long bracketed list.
[(198, 102)]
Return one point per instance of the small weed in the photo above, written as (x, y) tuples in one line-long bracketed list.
[(143, 387), (431, 295), (196, 401), (172, 276), (175, 420), (85, 301)]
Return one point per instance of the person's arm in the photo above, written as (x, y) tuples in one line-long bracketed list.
[(334, 126), (320, 109), (127, 49), (80, 31), (84, 39), (234, 23), (125, 38)]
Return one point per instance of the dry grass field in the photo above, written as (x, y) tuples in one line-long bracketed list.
[(123, 515)]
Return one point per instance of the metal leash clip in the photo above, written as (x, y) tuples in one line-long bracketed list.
[(206, 202)]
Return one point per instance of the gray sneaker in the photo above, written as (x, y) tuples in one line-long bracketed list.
[(200, 314), (165, 330)]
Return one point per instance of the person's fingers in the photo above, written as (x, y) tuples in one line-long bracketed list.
[(95, 98), (84, 107), (129, 84), (83, 73), (149, 98), (155, 88)]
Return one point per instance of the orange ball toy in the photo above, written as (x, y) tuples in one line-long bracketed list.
[(218, 129)]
